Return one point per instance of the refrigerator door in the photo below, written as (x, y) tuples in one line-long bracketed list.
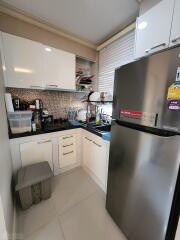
[(141, 90), (143, 170)]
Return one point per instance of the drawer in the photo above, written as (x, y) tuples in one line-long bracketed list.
[(67, 140), (68, 148), (67, 158)]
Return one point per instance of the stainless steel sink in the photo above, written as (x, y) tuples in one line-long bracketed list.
[(103, 128)]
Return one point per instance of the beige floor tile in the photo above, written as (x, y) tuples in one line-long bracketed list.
[(89, 220), (51, 231), (71, 179), (38, 215), (72, 188)]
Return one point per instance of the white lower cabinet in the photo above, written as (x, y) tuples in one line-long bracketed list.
[(64, 150), (37, 151), (61, 149), (67, 150), (95, 158)]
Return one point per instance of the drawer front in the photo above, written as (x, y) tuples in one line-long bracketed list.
[(67, 140), (67, 158), (67, 150)]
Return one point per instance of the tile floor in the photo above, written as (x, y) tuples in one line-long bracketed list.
[(76, 211)]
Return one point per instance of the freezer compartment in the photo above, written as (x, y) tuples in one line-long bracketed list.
[(143, 171), (141, 91)]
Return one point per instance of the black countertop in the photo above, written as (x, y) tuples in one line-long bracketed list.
[(60, 127)]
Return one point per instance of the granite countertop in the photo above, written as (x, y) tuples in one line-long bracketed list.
[(62, 127)]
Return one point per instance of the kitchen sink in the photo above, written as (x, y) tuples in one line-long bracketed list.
[(103, 128)]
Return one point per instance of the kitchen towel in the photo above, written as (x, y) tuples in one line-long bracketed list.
[(8, 101)]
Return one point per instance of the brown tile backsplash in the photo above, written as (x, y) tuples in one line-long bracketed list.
[(57, 103)]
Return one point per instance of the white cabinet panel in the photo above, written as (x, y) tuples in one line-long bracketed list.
[(99, 160), (59, 67), (153, 29), (87, 152), (23, 62), (67, 150), (37, 151), (95, 157), (175, 32)]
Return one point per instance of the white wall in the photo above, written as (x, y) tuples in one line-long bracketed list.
[(147, 4), (5, 163)]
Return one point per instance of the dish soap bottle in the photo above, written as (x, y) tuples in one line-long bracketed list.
[(98, 116)]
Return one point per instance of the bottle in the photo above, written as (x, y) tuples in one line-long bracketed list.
[(98, 116), (33, 127)]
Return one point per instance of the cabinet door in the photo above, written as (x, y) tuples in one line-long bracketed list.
[(23, 62), (175, 32), (87, 152), (59, 67), (67, 150), (95, 157), (99, 160), (34, 152), (153, 29)]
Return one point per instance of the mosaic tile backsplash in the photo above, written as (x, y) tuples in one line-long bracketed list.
[(57, 103)]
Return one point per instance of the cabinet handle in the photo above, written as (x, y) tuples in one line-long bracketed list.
[(175, 40), (88, 139), (68, 153), (41, 142), (36, 86), (160, 45), (67, 137), (97, 144), (68, 145), (51, 85)]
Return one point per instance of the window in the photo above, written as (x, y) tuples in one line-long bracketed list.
[(114, 55)]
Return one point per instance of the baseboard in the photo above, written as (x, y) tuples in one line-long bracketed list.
[(66, 169), (90, 173)]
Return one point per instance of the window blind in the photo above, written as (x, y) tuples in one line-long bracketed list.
[(114, 55)]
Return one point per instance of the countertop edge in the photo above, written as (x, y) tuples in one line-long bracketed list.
[(41, 132)]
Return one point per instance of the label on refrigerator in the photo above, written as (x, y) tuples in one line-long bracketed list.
[(173, 95), (174, 91), (178, 75), (139, 117), (174, 104)]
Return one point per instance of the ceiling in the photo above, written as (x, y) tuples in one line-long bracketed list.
[(91, 20)]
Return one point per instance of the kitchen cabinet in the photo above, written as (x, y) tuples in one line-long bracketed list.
[(59, 69), (67, 150), (48, 147), (64, 150), (95, 158), (23, 62), (175, 31), (29, 64), (153, 29), (37, 151)]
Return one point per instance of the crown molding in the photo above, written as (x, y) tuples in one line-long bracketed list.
[(16, 13), (117, 36)]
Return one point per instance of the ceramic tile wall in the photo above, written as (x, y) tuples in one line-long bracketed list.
[(57, 103)]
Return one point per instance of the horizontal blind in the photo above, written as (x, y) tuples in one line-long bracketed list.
[(116, 54)]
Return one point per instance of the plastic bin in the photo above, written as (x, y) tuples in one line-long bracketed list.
[(33, 184), (20, 121)]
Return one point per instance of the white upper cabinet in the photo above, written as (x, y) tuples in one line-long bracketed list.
[(59, 68), (175, 32), (23, 62), (153, 29), (29, 64)]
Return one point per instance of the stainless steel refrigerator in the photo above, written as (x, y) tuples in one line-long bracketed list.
[(143, 192)]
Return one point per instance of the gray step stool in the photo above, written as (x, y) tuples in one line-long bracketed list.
[(33, 183)]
